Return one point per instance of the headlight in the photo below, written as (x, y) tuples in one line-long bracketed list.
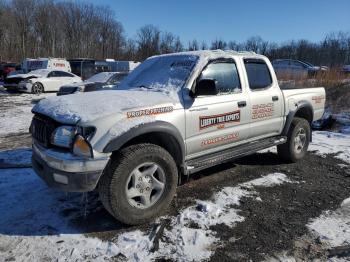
[(81, 147), (63, 136)]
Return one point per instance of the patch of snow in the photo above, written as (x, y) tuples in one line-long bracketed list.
[(333, 227), (56, 248), (345, 203), (15, 112), (187, 244), (283, 257), (324, 142), (19, 156)]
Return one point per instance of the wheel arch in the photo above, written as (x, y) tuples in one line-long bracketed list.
[(304, 110), (159, 133)]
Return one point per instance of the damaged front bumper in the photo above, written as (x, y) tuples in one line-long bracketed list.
[(66, 171)]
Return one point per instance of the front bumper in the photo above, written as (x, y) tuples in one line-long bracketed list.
[(25, 87), (11, 87), (66, 171)]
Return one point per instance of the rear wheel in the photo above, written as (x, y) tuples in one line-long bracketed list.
[(297, 141), (139, 183), (37, 88)]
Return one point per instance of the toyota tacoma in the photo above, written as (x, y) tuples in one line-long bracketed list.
[(174, 115)]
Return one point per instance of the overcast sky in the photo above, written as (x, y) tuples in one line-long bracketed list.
[(206, 20)]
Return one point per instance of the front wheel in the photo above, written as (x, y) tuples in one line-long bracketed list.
[(37, 88), (139, 183), (297, 141)]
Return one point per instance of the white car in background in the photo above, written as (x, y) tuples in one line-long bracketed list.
[(44, 80)]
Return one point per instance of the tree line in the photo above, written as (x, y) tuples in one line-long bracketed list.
[(49, 28)]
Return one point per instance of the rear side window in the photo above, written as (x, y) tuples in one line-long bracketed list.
[(62, 74), (258, 73), (225, 74)]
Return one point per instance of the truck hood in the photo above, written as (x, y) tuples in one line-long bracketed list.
[(86, 107)]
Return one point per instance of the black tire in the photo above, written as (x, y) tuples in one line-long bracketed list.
[(37, 88), (113, 183), (288, 150)]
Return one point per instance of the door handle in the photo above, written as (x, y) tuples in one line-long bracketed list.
[(275, 98), (241, 103)]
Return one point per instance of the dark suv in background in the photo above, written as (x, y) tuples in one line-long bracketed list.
[(296, 69), (101, 81)]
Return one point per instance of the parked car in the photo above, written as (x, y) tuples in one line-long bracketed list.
[(42, 80), (6, 69), (296, 69), (101, 81), (86, 67), (174, 115)]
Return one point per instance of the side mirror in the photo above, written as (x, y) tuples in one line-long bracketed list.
[(206, 87)]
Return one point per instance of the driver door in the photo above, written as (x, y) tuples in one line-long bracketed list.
[(217, 122)]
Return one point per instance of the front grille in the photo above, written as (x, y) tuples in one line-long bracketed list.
[(13, 80), (41, 129)]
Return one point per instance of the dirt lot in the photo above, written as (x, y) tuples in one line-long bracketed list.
[(256, 208)]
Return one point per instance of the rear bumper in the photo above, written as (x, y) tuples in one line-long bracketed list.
[(67, 172)]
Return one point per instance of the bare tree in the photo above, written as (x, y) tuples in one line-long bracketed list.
[(193, 45), (148, 39), (218, 44)]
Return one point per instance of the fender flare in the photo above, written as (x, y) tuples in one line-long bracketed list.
[(300, 105), (158, 127)]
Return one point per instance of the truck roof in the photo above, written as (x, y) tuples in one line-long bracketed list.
[(215, 53)]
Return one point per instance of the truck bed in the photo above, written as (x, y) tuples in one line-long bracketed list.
[(316, 96)]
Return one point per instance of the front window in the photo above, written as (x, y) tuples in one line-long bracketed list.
[(161, 72), (225, 75)]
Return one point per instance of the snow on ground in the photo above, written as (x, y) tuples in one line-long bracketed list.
[(32, 226), (324, 142), (333, 227), (16, 119), (19, 156)]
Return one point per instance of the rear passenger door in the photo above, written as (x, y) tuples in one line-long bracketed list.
[(266, 99), (53, 81), (216, 122)]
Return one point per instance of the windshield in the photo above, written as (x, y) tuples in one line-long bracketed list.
[(162, 72), (101, 77)]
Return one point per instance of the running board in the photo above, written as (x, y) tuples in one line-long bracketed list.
[(203, 162)]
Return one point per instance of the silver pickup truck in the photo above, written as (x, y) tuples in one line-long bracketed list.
[(172, 116)]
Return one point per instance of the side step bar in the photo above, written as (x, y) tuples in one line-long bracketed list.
[(203, 162)]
